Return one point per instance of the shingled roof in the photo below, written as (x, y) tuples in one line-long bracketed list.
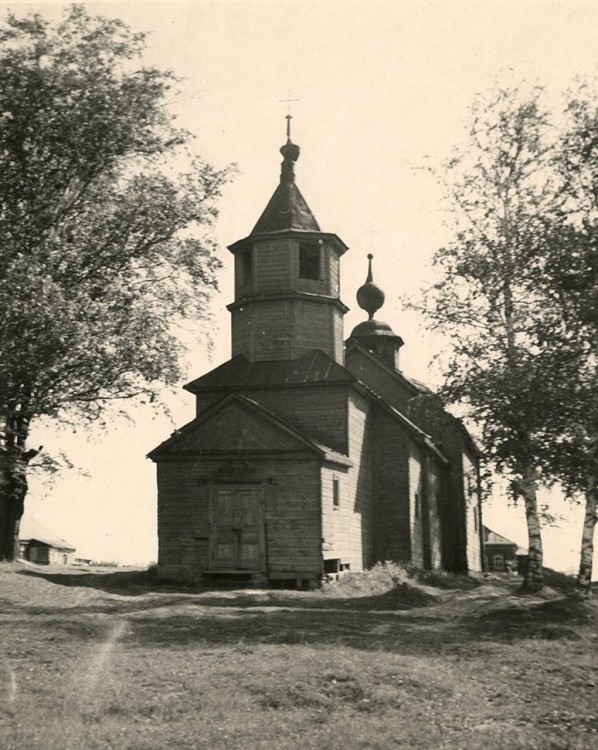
[(32, 530), (313, 367), (287, 208)]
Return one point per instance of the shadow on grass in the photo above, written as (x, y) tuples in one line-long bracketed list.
[(136, 584), (414, 632), (201, 604), (551, 620), (402, 619), (122, 582), (423, 632)]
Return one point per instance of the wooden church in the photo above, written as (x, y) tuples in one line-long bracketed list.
[(310, 456)]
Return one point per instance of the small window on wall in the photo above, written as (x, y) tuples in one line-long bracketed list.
[(309, 260), (417, 502), (246, 266), (499, 562), (336, 494)]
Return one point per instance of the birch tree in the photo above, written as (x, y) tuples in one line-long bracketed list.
[(569, 277), (518, 293), (487, 299)]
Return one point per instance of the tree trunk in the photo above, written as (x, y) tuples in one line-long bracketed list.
[(9, 539), (584, 579), (534, 580), (12, 504), (14, 461)]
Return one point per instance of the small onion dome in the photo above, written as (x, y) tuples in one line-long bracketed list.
[(290, 151), (369, 296)]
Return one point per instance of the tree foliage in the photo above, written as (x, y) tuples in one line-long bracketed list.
[(104, 245), (515, 292)]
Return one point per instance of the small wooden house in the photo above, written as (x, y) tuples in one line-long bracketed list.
[(500, 552), (308, 455), (39, 545)]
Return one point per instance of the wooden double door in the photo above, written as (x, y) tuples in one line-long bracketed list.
[(237, 531)]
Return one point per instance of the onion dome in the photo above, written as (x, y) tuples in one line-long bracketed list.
[(290, 153), (369, 296), (375, 335)]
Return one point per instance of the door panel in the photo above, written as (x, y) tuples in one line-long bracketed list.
[(237, 529)]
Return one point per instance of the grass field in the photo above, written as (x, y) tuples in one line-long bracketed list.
[(92, 661)]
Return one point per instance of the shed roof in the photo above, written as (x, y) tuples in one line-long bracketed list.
[(491, 537), (32, 530)]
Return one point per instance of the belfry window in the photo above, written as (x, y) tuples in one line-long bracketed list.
[(246, 266), (309, 260)]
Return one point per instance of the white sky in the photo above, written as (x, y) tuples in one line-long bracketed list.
[(381, 85)]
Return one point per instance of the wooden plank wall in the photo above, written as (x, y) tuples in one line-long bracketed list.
[(415, 505), (315, 325), (263, 330), (276, 268), (286, 329), (237, 427), (336, 521), (455, 519), (321, 412), (391, 489), (360, 530), (271, 268), (348, 529), (293, 525), (380, 380), (433, 489), (183, 520), (328, 282), (453, 512)]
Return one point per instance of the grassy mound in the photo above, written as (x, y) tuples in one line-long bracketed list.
[(389, 580)]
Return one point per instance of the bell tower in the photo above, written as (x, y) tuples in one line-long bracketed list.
[(287, 279)]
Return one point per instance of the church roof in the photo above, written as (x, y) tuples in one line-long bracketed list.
[(313, 367), (412, 384), (286, 437), (287, 208)]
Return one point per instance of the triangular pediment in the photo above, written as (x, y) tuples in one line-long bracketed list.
[(236, 425)]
